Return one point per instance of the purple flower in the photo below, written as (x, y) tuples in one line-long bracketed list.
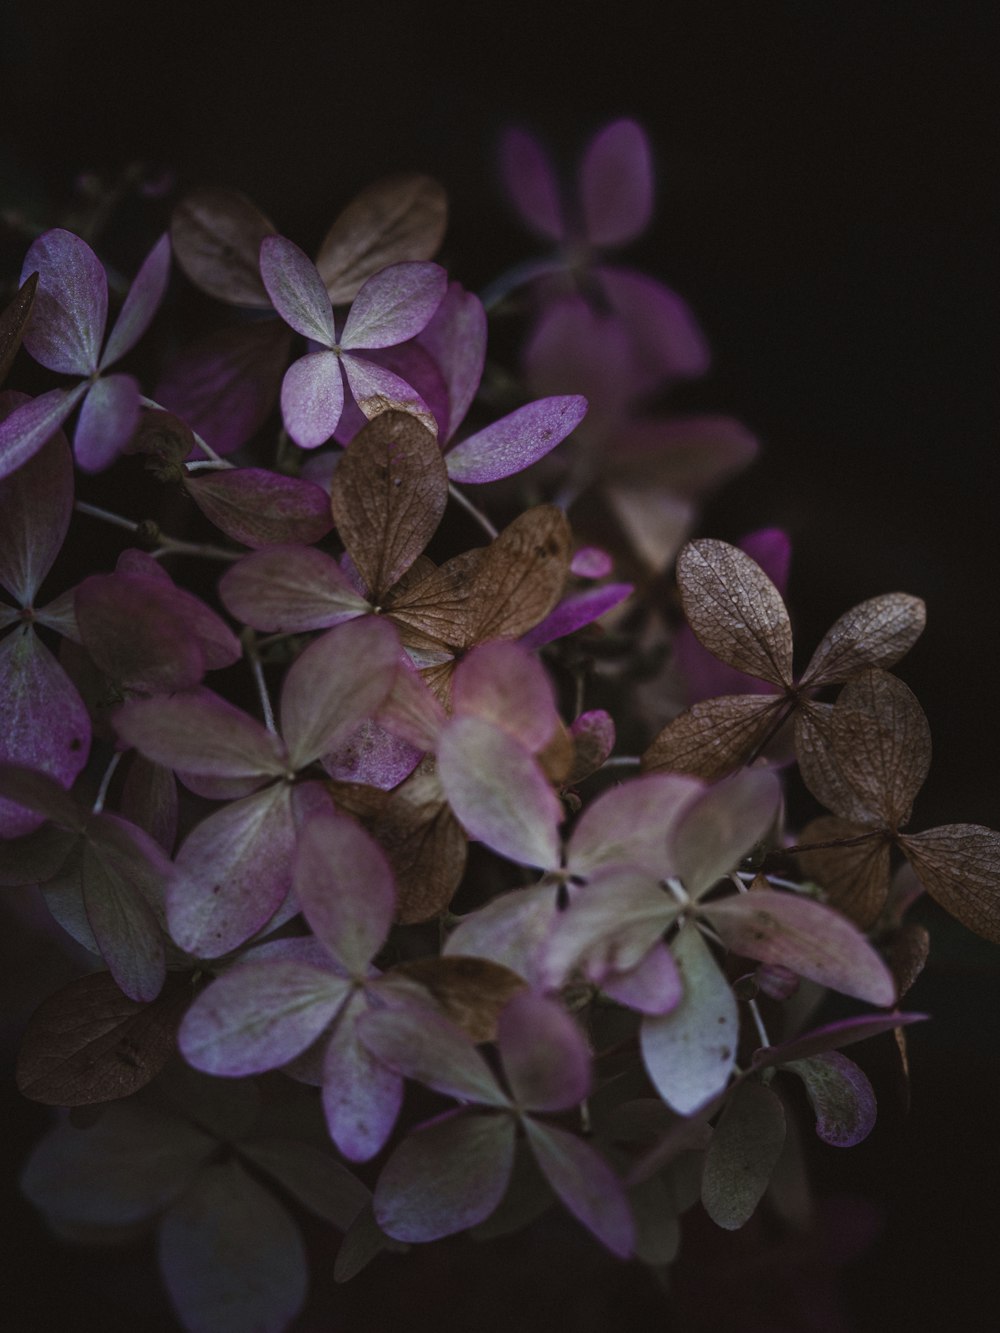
[(391, 307), (65, 334)]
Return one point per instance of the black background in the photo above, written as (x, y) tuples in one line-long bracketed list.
[(827, 203)]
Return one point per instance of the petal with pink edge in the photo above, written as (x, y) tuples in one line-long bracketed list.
[(290, 588), (36, 502), (45, 722), (502, 683), (296, 289), (361, 1095), (429, 1049), (448, 1175), (107, 421), (690, 1052), (34, 422), (346, 889), (586, 1185), (67, 323), (259, 1016), (338, 681), (373, 756), (141, 304), (632, 825), (394, 304), (516, 440), (498, 792), (841, 1096), (233, 872), (616, 184), (531, 184), (312, 398), (544, 1054), (651, 987)]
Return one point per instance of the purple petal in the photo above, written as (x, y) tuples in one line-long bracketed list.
[(30, 425), (690, 1052), (590, 562), (234, 870), (312, 398), (224, 385), (411, 711), (261, 508), (258, 1016), (338, 681), (841, 1096), (812, 940), (413, 366), (36, 502), (45, 723), (832, 1036), (516, 440), (594, 738), (394, 304), (108, 420), (376, 389), (231, 1256), (498, 792), (447, 1176), (531, 184), (512, 930), (632, 825), (202, 734), (651, 987), (544, 1054), (616, 184), (296, 289), (666, 341), (586, 1184), (71, 303), (456, 339), (575, 350), (722, 826), (38, 792), (423, 1046), (503, 684), (290, 588), (371, 755), (574, 612), (141, 303), (361, 1096), (346, 889)]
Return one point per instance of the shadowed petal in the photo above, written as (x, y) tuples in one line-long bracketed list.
[(108, 419), (36, 502), (586, 1184), (544, 1053), (141, 304), (261, 508), (34, 422), (456, 339), (290, 588), (743, 1152), (345, 886), (216, 236), (420, 1045), (841, 1096), (377, 389), (531, 184), (502, 683), (201, 733), (616, 184), (665, 339), (722, 826), (71, 303), (361, 1095)]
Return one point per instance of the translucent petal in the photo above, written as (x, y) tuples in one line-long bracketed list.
[(201, 733), (108, 419), (261, 508), (616, 184), (502, 683), (422, 1046), (456, 339), (141, 303), (531, 184), (632, 825)]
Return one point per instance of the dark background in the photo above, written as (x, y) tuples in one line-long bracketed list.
[(827, 203)]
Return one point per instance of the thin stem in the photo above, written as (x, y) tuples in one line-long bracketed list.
[(758, 1022), (250, 645), (519, 275), (621, 761), (470, 508), (205, 448), (172, 546), (102, 791), (748, 877), (105, 515), (834, 842)]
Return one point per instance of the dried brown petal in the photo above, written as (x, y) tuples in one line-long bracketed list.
[(216, 235), (854, 877), (395, 219), (470, 991), (877, 633), (713, 737), (13, 321), (818, 763), (959, 866), (906, 953), (389, 493), (882, 744), (358, 799), (90, 1043), (166, 439), (735, 610), (435, 611), (425, 845), (557, 757)]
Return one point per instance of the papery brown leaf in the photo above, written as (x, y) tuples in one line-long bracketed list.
[(13, 321), (216, 236), (713, 737), (876, 633), (434, 611), (358, 799), (959, 866), (818, 763), (469, 991), (389, 494), (164, 437), (906, 953), (882, 744), (425, 844), (855, 878), (556, 759), (393, 220), (90, 1043), (735, 610)]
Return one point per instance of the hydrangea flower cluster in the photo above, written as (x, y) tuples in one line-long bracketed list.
[(351, 818)]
